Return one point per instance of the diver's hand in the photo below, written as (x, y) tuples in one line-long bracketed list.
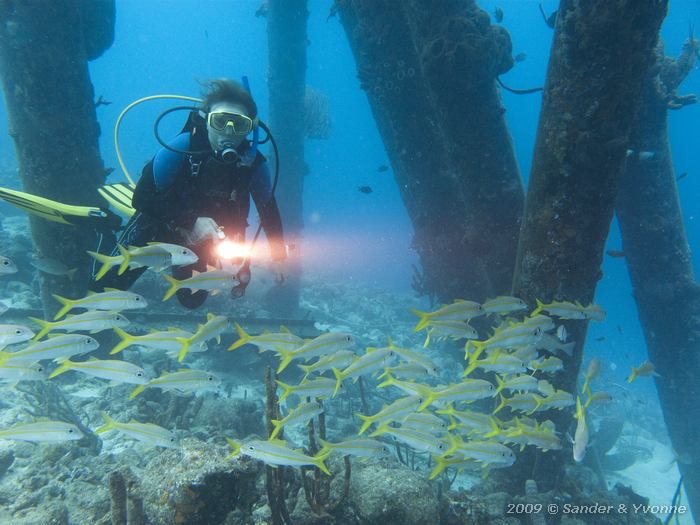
[(279, 268), (205, 228)]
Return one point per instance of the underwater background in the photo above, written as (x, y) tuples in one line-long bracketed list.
[(359, 264)]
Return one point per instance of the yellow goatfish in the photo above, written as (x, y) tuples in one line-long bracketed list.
[(460, 310), (643, 370)]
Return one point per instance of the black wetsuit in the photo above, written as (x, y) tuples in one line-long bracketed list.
[(168, 204)]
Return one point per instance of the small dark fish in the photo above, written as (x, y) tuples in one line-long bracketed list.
[(550, 20), (262, 10), (206, 34), (382, 168), (520, 56), (364, 189), (682, 175), (333, 11), (102, 102), (599, 339), (498, 15), (615, 253), (619, 328)]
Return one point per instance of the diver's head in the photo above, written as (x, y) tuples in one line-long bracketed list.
[(231, 116)]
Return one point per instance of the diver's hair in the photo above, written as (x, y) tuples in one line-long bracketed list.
[(227, 90)]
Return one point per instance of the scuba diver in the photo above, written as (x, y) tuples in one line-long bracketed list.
[(196, 191)]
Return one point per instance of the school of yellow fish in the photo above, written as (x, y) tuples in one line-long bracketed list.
[(514, 361)]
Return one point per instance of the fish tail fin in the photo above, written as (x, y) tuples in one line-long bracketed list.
[(137, 391), (500, 406), (184, 348), (429, 398), (71, 273), (579, 409), (539, 401), (381, 429), (338, 380), (286, 359), (319, 458), (367, 422), (495, 429), (278, 427), (235, 448), (67, 306), (127, 259), (307, 370), (453, 423), (501, 384), (388, 381), (586, 386), (455, 442), (174, 286), (243, 337), (538, 309), (126, 340), (45, 327), (383, 374), (427, 339), (423, 321), (287, 389), (633, 375), (440, 465), (109, 423), (65, 365), (325, 445), (107, 263), (474, 356)]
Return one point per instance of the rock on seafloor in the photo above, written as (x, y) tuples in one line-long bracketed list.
[(392, 494), (196, 485)]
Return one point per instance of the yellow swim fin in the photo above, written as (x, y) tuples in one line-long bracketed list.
[(57, 211), (119, 196)]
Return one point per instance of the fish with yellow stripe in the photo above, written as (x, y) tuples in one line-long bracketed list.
[(460, 310), (183, 381), (111, 300), (276, 452)]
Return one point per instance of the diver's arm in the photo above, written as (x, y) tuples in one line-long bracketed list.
[(266, 204), (163, 205)]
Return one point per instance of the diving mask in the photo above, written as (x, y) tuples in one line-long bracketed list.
[(230, 123)]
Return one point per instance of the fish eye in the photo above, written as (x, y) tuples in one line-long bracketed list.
[(71, 431), (137, 298), (210, 378), (39, 368), (139, 374), (348, 339), (5, 262), (18, 332), (172, 440)]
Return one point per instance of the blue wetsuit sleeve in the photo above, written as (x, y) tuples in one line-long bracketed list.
[(265, 203), (261, 185), (166, 205)]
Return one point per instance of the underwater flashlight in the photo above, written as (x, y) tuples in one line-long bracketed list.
[(231, 250)]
